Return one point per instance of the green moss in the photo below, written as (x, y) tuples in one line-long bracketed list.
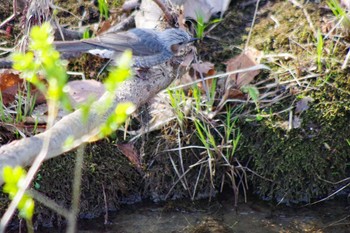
[(105, 171), (297, 164)]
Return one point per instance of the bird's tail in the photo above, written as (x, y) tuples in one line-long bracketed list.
[(70, 49)]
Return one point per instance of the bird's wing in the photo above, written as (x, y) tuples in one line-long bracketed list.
[(141, 42)]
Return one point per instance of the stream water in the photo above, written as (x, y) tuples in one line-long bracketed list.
[(220, 216)]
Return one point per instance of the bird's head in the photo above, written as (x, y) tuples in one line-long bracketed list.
[(174, 39)]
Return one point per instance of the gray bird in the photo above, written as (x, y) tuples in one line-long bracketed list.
[(149, 47)]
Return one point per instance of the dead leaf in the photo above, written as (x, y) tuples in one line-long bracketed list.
[(9, 78), (104, 26), (233, 84), (248, 59), (235, 94), (129, 150), (297, 122), (303, 104), (203, 69), (10, 83), (80, 91)]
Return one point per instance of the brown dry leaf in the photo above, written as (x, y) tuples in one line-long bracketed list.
[(186, 79), (206, 69), (248, 59), (104, 26), (10, 82), (8, 79), (80, 91), (235, 94), (30, 128), (203, 67), (6, 135), (233, 84), (129, 150)]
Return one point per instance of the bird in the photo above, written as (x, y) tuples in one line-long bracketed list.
[(149, 47)]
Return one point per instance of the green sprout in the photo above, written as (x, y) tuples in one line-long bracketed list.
[(201, 26), (253, 93), (196, 93), (231, 130), (339, 12), (4, 116), (319, 50), (177, 99), (103, 8), (86, 34)]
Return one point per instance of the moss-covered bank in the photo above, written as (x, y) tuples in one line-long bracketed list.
[(300, 163)]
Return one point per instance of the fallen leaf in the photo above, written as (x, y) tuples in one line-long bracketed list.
[(234, 82), (10, 83), (247, 59), (297, 122), (303, 104), (203, 67), (202, 70), (80, 91), (128, 149), (235, 94), (105, 25)]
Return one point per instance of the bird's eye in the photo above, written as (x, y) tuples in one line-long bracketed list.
[(181, 43)]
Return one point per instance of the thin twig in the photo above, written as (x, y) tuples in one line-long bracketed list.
[(197, 181), (106, 204), (329, 196), (169, 18), (49, 203), (181, 158), (251, 27), (72, 220)]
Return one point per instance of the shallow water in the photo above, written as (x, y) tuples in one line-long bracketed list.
[(221, 216)]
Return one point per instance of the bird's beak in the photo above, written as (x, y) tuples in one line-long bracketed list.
[(192, 39)]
